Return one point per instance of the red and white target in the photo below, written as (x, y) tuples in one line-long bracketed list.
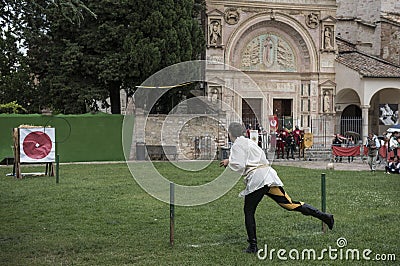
[(37, 145)]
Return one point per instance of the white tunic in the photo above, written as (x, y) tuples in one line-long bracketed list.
[(249, 159)]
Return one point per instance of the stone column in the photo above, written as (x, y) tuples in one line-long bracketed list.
[(365, 118)]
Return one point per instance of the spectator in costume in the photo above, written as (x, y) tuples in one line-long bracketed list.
[(290, 146), (297, 134), (280, 144)]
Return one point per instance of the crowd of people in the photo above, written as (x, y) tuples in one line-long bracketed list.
[(289, 141), (393, 166), (384, 149), (284, 141)]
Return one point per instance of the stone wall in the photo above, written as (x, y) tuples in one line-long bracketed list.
[(357, 23), (391, 6), (361, 23), (186, 132), (390, 47)]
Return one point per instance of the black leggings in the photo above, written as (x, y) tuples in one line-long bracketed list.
[(252, 200)]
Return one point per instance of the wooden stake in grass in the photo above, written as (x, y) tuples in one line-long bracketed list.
[(57, 168), (323, 198), (171, 213)]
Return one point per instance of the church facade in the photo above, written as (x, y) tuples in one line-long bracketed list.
[(296, 74), (287, 48)]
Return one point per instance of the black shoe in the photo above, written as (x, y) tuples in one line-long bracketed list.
[(252, 248), (327, 218)]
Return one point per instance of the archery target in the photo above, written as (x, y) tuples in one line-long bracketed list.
[(37, 145)]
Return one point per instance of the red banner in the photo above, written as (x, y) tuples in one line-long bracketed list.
[(273, 123), (344, 151), (383, 152), (392, 153)]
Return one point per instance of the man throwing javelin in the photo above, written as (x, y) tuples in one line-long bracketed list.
[(261, 179)]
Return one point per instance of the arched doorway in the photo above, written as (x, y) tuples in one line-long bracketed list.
[(351, 121)]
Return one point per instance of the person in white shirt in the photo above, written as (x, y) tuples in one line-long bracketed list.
[(261, 179)]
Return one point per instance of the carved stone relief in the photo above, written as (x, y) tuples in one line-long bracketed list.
[(232, 16), (312, 20), (327, 103), (268, 52), (214, 59)]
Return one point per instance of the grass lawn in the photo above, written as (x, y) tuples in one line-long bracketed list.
[(99, 215)]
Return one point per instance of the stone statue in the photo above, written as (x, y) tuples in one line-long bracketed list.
[(327, 103), (215, 33), (328, 38), (268, 52)]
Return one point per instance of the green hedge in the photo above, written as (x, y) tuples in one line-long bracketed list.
[(79, 138)]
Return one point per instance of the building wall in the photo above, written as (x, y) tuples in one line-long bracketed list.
[(390, 6), (366, 10), (361, 23), (358, 23), (390, 39)]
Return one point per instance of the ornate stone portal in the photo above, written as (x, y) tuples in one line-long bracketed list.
[(287, 49)]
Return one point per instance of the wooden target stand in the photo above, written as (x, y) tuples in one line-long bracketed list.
[(17, 173)]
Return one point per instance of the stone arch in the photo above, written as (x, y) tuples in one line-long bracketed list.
[(383, 93), (281, 24), (352, 110), (351, 121), (346, 97), (349, 112)]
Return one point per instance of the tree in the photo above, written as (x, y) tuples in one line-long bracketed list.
[(134, 39), (24, 26), (78, 58)]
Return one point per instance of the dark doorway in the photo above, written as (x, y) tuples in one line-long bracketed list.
[(352, 111), (351, 120), (251, 111), (282, 107), (283, 110)]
